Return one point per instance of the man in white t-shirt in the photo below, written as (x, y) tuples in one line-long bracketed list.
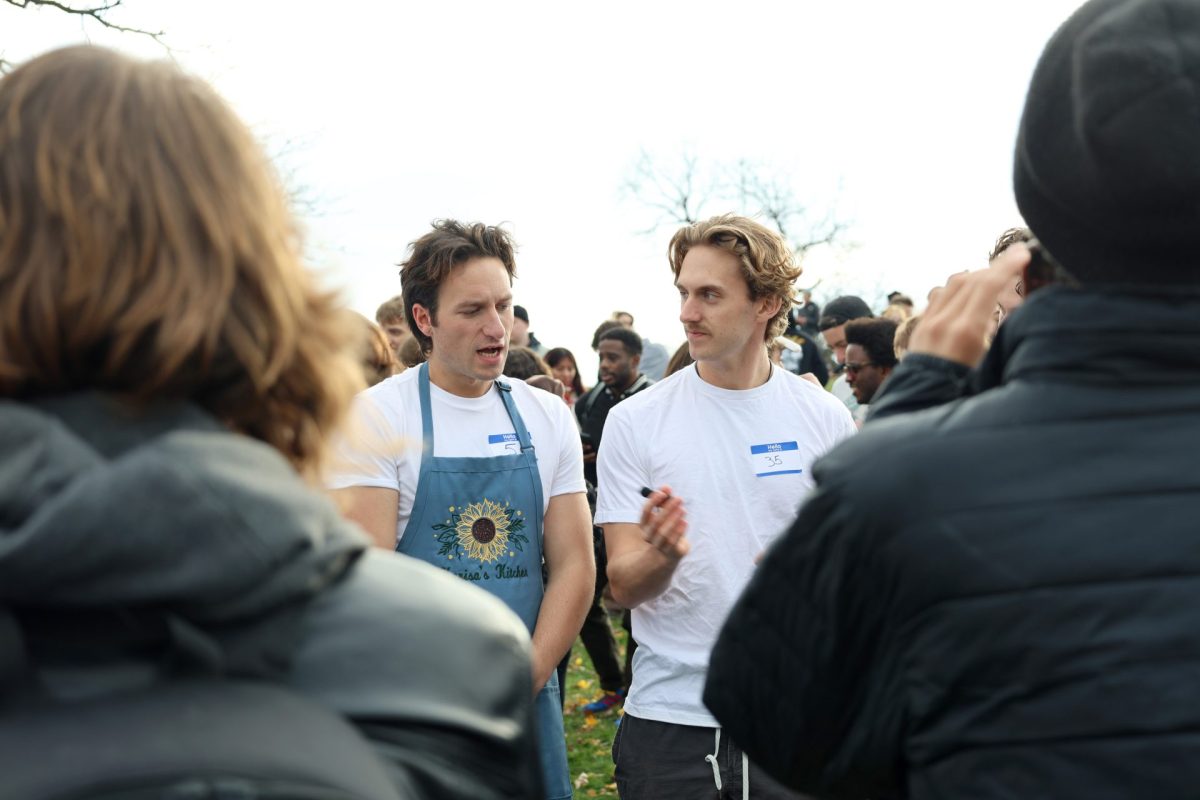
[(478, 476), (727, 445)]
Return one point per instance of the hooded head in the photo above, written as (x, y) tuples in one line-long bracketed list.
[(1107, 170)]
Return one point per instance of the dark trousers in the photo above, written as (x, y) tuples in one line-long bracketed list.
[(664, 761)]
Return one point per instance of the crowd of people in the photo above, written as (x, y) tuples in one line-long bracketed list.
[(939, 548)]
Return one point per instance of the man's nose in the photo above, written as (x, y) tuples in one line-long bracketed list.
[(494, 326)]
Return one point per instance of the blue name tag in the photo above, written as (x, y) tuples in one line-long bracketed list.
[(503, 444), (775, 458)]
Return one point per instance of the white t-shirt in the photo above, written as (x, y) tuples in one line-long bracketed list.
[(383, 444), (741, 462)]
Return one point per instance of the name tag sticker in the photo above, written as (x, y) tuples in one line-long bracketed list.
[(775, 458), (504, 444)]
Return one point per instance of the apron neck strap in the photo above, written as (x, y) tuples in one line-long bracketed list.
[(511, 407), (427, 411), (426, 408)]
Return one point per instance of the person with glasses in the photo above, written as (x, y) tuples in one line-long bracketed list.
[(832, 325), (870, 356)]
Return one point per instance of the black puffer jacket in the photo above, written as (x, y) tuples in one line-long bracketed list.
[(997, 597), (124, 536)]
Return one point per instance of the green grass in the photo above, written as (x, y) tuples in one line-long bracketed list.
[(589, 737)]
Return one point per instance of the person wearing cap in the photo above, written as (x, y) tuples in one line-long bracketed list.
[(838, 312), (521, 335), (723, 452), (996, 597)]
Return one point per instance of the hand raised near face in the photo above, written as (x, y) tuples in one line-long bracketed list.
[(960, 316)]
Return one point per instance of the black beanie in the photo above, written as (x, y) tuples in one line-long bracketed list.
[(1107, 171)]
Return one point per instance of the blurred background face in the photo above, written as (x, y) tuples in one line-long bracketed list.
[(564, 370), (520, 333), (618, 368), (835, 340), (396, 332), (862, 376)]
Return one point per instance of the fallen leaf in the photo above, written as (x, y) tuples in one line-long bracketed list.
[(581, 780)]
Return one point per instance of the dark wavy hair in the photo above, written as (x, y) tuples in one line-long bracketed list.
[(877, 337), (434, 255)]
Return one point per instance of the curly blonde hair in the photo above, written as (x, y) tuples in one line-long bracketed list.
[(147, 250), (768, 265)]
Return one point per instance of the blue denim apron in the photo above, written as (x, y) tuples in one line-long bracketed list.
[(481, 519)]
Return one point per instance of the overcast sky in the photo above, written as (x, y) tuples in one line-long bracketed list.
[(901, 116)]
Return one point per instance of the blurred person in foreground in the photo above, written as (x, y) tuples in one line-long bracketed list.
[(170, 374), (996, 597), (723, 450)]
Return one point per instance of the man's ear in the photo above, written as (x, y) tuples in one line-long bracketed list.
[(768, 307), (636, 361), (423, 319)]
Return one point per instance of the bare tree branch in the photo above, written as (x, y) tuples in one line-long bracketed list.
[(96, 12), (677, 195), (760, 190), (671, 192)]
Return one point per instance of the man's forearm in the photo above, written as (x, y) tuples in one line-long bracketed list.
[(568, 596), (641, 575)]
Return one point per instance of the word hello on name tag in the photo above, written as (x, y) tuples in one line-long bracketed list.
[(775, 458), (504, 444)]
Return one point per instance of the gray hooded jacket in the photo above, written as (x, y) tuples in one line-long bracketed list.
[(135, 546)]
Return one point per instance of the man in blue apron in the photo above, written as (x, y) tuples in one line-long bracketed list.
[(471, 473)]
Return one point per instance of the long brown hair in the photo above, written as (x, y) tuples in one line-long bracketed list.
[(147, 250)]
